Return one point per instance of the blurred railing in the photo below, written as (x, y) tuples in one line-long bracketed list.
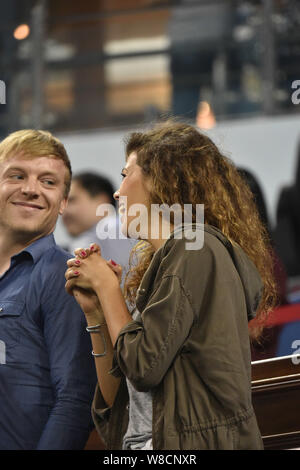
[(116, 63)]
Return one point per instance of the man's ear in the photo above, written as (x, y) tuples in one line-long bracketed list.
[(63, 205)]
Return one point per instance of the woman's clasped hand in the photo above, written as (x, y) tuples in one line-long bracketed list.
[(89, 270)]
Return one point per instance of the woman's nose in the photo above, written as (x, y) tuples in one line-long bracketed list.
[(116, 195)]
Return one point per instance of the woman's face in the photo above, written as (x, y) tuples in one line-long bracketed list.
[(134, 200)]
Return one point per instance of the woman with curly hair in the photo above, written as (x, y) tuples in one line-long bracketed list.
[(175, 372)]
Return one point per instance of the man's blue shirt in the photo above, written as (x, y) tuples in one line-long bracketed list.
[(47, 373)]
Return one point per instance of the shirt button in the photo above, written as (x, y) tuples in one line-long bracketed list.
[(1, 309)]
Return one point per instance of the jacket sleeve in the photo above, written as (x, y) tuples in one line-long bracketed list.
[(101, 414), (111, 423), (146, 348)]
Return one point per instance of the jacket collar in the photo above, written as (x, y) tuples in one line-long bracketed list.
[(250, 278), (145, 289)]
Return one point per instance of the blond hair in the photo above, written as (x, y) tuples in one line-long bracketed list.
[(33, 143)]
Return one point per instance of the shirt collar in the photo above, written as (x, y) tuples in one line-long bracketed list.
[(38, 247)]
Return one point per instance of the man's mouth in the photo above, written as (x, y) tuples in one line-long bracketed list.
[(28, 205)]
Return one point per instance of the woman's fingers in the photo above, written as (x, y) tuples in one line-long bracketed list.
[(82, 252), (69, 286), (94, 248), (71, 273), (86, 252), (73, 262), (117, 268)]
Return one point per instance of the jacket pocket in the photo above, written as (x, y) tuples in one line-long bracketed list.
[(10, 313)]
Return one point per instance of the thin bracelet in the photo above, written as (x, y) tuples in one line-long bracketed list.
[(96, 329), (104, 345)]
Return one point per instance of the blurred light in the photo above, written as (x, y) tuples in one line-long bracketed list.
[(21, 32), (137, 69), (205, 117), (158, 43), (243, 33)]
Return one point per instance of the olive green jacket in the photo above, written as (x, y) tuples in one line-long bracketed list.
[(190, 347)]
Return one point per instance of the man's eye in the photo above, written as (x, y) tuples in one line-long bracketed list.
[(48, 182), (123, 175), (16, 177)]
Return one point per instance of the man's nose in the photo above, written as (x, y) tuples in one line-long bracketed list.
[(30, 187)]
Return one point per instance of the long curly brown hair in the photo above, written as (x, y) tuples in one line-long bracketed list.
[(185, 167)]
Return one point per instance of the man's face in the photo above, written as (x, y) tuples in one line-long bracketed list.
[(80, 214), (31, 195)]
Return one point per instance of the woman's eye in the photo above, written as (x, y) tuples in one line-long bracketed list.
[(123, 175)]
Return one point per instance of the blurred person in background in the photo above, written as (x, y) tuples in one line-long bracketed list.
[(46, 375), (279, 268), (268, 341), (88, 191), (287, 242), (287, 232)]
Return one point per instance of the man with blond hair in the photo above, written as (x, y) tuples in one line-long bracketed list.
[(47, 374)]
